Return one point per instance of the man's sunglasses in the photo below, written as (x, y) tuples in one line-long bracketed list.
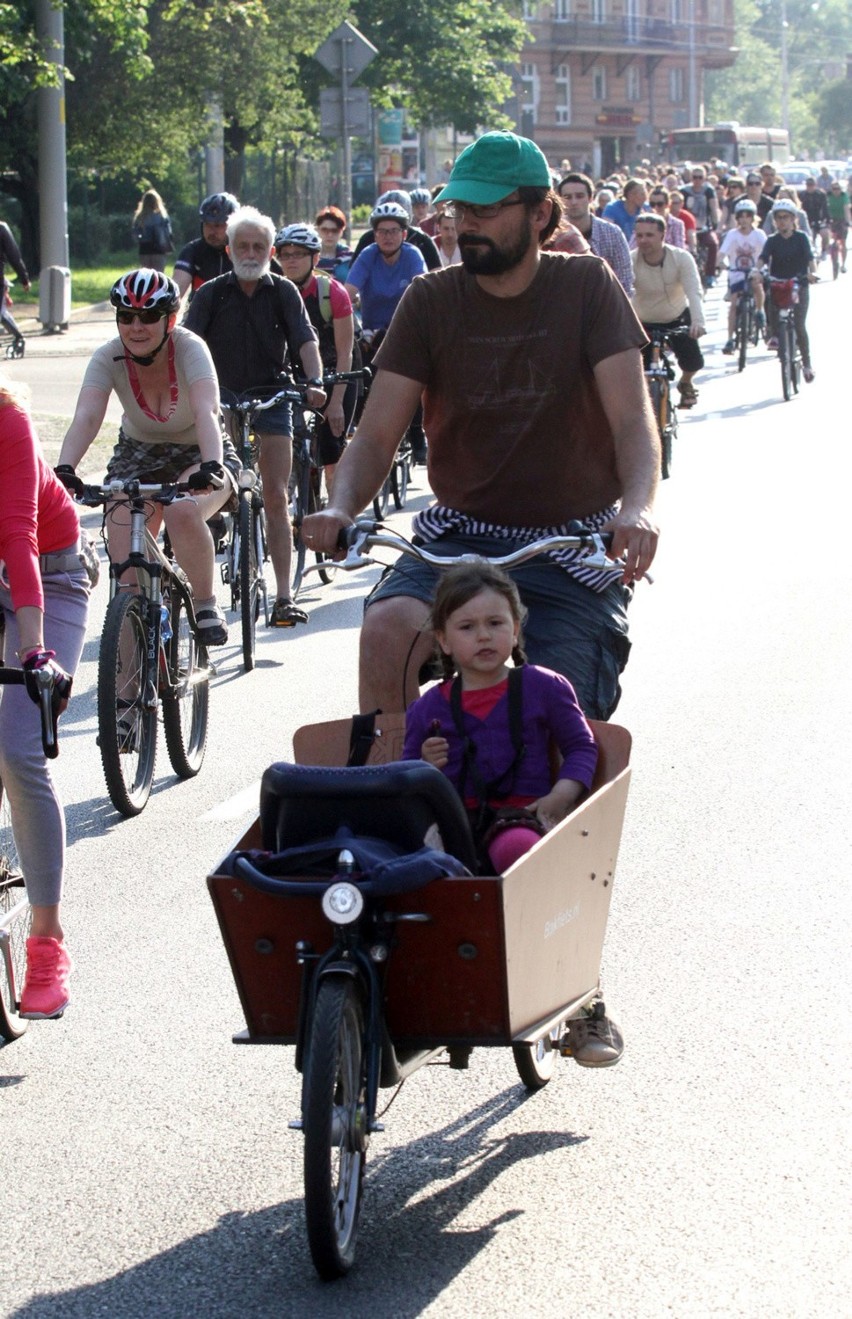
[(126, 317)]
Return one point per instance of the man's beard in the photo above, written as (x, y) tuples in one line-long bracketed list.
[(250, 270), (482, 256)]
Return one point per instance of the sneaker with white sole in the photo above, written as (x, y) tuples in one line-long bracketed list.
[(45, 992)]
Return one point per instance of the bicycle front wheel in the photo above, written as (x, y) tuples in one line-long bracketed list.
[(299, 509), (187, 697), (335, 1125), (127, 705), (251, 566), (785, 357), (382, 500), (742, 334), (401, 474), (14, 929)]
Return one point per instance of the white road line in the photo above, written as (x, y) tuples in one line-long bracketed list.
[(240, 804)]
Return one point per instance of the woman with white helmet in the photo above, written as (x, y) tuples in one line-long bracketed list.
[(329, 307), (787, 254)]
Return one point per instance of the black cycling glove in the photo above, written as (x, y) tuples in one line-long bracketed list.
[(210, 476), (40, 670), (70, 479)]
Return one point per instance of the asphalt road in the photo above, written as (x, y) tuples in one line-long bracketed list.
[(147, 1166)]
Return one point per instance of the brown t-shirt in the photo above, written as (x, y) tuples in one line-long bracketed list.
[(517, 433)]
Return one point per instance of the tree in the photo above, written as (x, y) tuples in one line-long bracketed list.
[(835, 113), (751, 90), (446, 61)]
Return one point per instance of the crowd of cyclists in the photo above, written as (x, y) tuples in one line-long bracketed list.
[(249, 302)]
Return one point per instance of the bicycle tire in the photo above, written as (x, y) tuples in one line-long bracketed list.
[(382, 500), (657, 393), (401, 475), (784, 359), (127, 730), (233, 561), (250, 570), (299, 507), (335, 1126), (14, 929), (742, 334), (835, 261), (186, 702), (314, 506)]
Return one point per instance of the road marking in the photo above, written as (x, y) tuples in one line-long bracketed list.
[(238, 805)]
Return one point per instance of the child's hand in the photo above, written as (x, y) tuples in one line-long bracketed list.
[(435, 750), (553, 808)]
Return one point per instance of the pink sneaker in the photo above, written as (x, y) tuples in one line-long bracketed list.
[(45, 992)]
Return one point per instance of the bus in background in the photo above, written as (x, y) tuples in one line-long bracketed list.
[(735, 144)]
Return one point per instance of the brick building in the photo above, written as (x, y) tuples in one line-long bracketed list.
[(601, 79)]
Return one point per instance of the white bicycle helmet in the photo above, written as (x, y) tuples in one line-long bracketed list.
[(745, 205), (145, 290), (389, 211), (785, 206), (420, 197), (300, 235)]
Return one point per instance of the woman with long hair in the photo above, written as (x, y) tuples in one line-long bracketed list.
[(152, 229)]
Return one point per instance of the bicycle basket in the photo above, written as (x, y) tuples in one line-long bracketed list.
[(785, 293)]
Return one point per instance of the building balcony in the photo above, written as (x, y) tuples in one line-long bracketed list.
[(710, 43)]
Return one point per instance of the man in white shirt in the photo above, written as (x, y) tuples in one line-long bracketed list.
[(667, 297)]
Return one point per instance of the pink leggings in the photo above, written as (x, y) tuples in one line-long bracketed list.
[(505, 848)]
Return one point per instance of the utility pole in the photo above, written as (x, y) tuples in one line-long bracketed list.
[(54, 277), (785, 71)]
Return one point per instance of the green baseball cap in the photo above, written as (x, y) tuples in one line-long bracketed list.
[(493, 166)]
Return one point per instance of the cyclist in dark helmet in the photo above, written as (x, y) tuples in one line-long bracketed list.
[(206, 257), (170, 431)]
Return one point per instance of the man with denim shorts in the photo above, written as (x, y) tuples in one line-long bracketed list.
[(250, 320), (530, 369)]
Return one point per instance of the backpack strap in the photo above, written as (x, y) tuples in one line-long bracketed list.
[(502, 785), (324, 289)]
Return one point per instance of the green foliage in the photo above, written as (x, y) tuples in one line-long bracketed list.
[(444, 60), (750, 91), (835, 113)]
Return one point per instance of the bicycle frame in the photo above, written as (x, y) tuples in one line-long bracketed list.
[(659, 376)]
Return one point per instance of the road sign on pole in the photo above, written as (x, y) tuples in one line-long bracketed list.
[(357, 112), (346, 54), (346, 39)]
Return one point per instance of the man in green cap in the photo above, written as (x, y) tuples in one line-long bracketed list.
[(536, 409)]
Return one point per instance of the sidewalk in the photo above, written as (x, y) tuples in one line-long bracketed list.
[(88, 328)]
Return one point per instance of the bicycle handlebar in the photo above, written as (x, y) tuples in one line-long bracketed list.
[(366, 534), (293, 392), (161, 493)]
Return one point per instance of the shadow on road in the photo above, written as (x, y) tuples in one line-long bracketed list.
[(257, 1264)]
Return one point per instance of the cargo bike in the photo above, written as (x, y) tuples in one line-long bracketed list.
[(360, 931)]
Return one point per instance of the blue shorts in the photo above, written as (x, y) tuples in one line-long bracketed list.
[(570, 628)]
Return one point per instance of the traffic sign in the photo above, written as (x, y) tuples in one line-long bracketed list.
[(357, 112), (359, 51)]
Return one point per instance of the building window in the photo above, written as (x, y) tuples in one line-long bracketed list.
[(676, 13), (633, 83), (563, 94), (716, 13), (676, 81), (598, 10), (529, 10), (529, 90), (599, 83), (561, 11)]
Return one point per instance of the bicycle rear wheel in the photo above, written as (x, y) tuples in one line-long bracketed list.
[(186, 701), (659, 390), (835, 260), (127, 705), (14, 929)]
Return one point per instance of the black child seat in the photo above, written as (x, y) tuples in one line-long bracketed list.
[(403, 802)]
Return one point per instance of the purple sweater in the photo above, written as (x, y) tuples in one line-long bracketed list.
[(550, 713)]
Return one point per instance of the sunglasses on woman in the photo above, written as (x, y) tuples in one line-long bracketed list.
[(126, 317)]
